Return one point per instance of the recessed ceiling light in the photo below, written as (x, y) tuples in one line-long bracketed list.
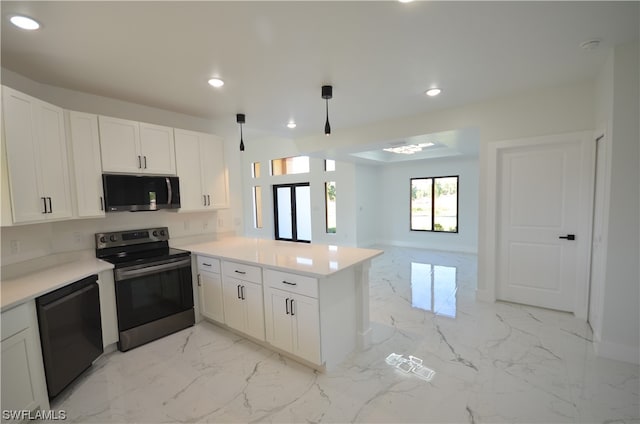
[(24, 22), (433, 92), (405, 1), (216, 82), (590, 44), (291, 125)]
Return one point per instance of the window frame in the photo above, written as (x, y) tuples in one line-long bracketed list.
[(433, 204)]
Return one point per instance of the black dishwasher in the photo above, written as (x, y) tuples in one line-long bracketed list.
[(70, 332)]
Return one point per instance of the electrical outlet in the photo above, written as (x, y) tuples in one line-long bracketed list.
[(14, 246)]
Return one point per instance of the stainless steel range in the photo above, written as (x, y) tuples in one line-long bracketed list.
[(154, 291)]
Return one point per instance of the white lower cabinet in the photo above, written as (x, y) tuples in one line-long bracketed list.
[(23, 381), (210, 288), (243, 306), (293, 323)]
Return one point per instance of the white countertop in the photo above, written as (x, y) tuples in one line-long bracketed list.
[(22, 289), (317, 260)]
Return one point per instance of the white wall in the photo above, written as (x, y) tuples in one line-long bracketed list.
[(265, 149), (369, 202), (394, 202), (618, 110), (44, 239)]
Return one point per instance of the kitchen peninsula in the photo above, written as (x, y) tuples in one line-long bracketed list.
[(310, 301)]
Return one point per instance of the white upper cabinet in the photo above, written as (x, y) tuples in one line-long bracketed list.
[(86, 164), (202, 171), (36, 147), (136, 148)]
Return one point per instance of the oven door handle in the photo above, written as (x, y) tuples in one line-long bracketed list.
[(124, 274)]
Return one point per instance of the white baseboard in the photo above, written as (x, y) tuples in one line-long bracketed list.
[(617, 351), (439, 247), (485, 296)]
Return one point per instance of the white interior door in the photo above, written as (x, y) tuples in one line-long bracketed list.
[(541, 207)]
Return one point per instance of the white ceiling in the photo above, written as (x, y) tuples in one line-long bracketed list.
[(274, 56)]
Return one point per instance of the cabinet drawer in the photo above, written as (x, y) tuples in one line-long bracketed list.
[(208, 264), (307, 286), (242, 271)]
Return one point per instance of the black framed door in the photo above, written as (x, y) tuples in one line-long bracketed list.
[(292, 212)]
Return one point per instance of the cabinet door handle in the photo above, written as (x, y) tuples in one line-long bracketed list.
[(238, 290), (208, 200), (199, 284), (145, 162), (50, 205), (286, 305), (242, 293), (101, 204), (240, 272), (139, 162), (291, 284), (292, 313), (204, 200), (44, 201)]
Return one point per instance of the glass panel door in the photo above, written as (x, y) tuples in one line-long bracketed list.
[(292, 212)]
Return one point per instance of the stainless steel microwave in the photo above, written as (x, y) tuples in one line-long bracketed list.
[(140, 193)]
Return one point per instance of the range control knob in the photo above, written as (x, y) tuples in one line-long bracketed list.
[(162, 233), (155, 233), (113, 237), (103, 239)]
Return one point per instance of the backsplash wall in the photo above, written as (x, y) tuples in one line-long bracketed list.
[(25, 242)]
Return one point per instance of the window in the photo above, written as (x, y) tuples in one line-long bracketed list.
[(329, 165), (257, 206), (330, 206), (434, 204), (292, 165), (255, 169), (292, 212)]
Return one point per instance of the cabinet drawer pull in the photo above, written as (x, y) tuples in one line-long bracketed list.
[(199, 284), (206, 264), (240, 272), (286, 305), (291, 284)]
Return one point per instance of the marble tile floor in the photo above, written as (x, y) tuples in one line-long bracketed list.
[(493, 363)]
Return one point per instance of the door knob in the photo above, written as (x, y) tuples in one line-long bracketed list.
[(568, 237)]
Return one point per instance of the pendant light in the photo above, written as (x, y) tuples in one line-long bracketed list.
[(327, 93), (240, 120)]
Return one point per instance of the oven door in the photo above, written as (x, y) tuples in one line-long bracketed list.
[(149, 292)]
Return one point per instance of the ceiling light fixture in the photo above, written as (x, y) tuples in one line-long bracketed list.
[(327, 93), (291, 125), (25, 22), (405, 1), (590, 44), (216, 82), (240, 120), (409, 149), (433, 92)]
